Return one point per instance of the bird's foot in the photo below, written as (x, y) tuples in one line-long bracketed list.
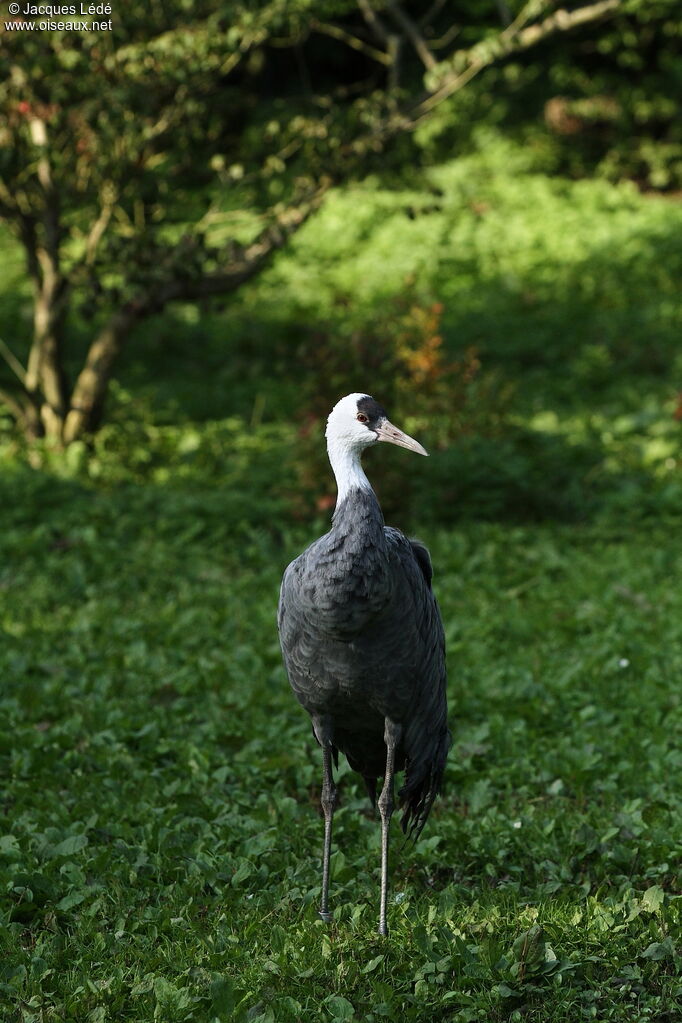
[(325, 915)]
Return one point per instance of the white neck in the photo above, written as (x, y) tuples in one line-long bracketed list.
[(348, 471)]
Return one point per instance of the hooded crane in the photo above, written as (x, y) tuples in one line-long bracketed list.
[(363, 644)]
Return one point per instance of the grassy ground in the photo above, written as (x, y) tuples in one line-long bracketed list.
[(160, 839), (160, 845)]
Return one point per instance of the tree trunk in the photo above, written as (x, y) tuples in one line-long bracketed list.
[(45, 380), (92, 383)]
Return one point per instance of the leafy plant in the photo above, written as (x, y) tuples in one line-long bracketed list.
[(408, 368), (129, 189), (158, 858)]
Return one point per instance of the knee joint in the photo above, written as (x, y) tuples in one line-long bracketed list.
[(386, 804), (328, 798)]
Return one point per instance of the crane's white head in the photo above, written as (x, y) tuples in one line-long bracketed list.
[(358, 421), (355, 423)]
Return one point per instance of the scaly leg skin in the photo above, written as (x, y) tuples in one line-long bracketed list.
[(328, 802), (392, 733)]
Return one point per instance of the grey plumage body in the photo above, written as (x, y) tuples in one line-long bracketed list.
[(363, 643)]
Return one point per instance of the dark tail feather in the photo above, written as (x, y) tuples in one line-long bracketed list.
[(371, 785), (422, 784)]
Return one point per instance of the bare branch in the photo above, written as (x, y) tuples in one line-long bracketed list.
[(394, 48), (8, 208), (447, 37), (373, 21), (350, 40), (108, 198), (97, 231), (451, 85), (39, 137), (563, 20), (433, 10), (244, 263), (413, 34), (91, 385), (13, 404), (13, 363), (531, 9)]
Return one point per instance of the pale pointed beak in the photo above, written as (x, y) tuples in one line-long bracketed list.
[(392, 435)]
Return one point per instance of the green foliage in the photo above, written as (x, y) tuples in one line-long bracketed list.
[(562, 296), (160, 853), (118, 159), (603, 106), (160, 845), (130, 188), (525, 328)]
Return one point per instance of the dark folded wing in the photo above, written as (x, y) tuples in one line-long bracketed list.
[(426, 738)]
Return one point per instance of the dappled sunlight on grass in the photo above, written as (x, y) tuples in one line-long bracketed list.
[(160, 852), (143, 685)]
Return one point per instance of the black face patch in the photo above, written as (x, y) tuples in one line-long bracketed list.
[(373, 410)]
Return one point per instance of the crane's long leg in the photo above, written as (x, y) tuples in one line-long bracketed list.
[(328, 803), (392, 733)]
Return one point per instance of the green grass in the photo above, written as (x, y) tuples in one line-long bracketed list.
[(537, 272), (160, 837), (160, 846)]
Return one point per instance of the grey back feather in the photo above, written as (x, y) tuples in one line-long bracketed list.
[(362, 641)]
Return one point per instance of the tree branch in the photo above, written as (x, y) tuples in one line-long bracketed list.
[(12, 404), (38, 131), (24, 412), (90, 387), (45, 369), (563, 20), (96, 233), (97, 230), (373, 21), (413, 34), (513, 40), (433, 10), (350, 40), (13, 363), (531, 9), (447, 37), (7, 208)]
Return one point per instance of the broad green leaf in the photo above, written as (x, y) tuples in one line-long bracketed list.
[(70, 845), (339, 1008)]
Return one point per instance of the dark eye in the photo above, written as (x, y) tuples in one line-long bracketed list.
[(362, 418)]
